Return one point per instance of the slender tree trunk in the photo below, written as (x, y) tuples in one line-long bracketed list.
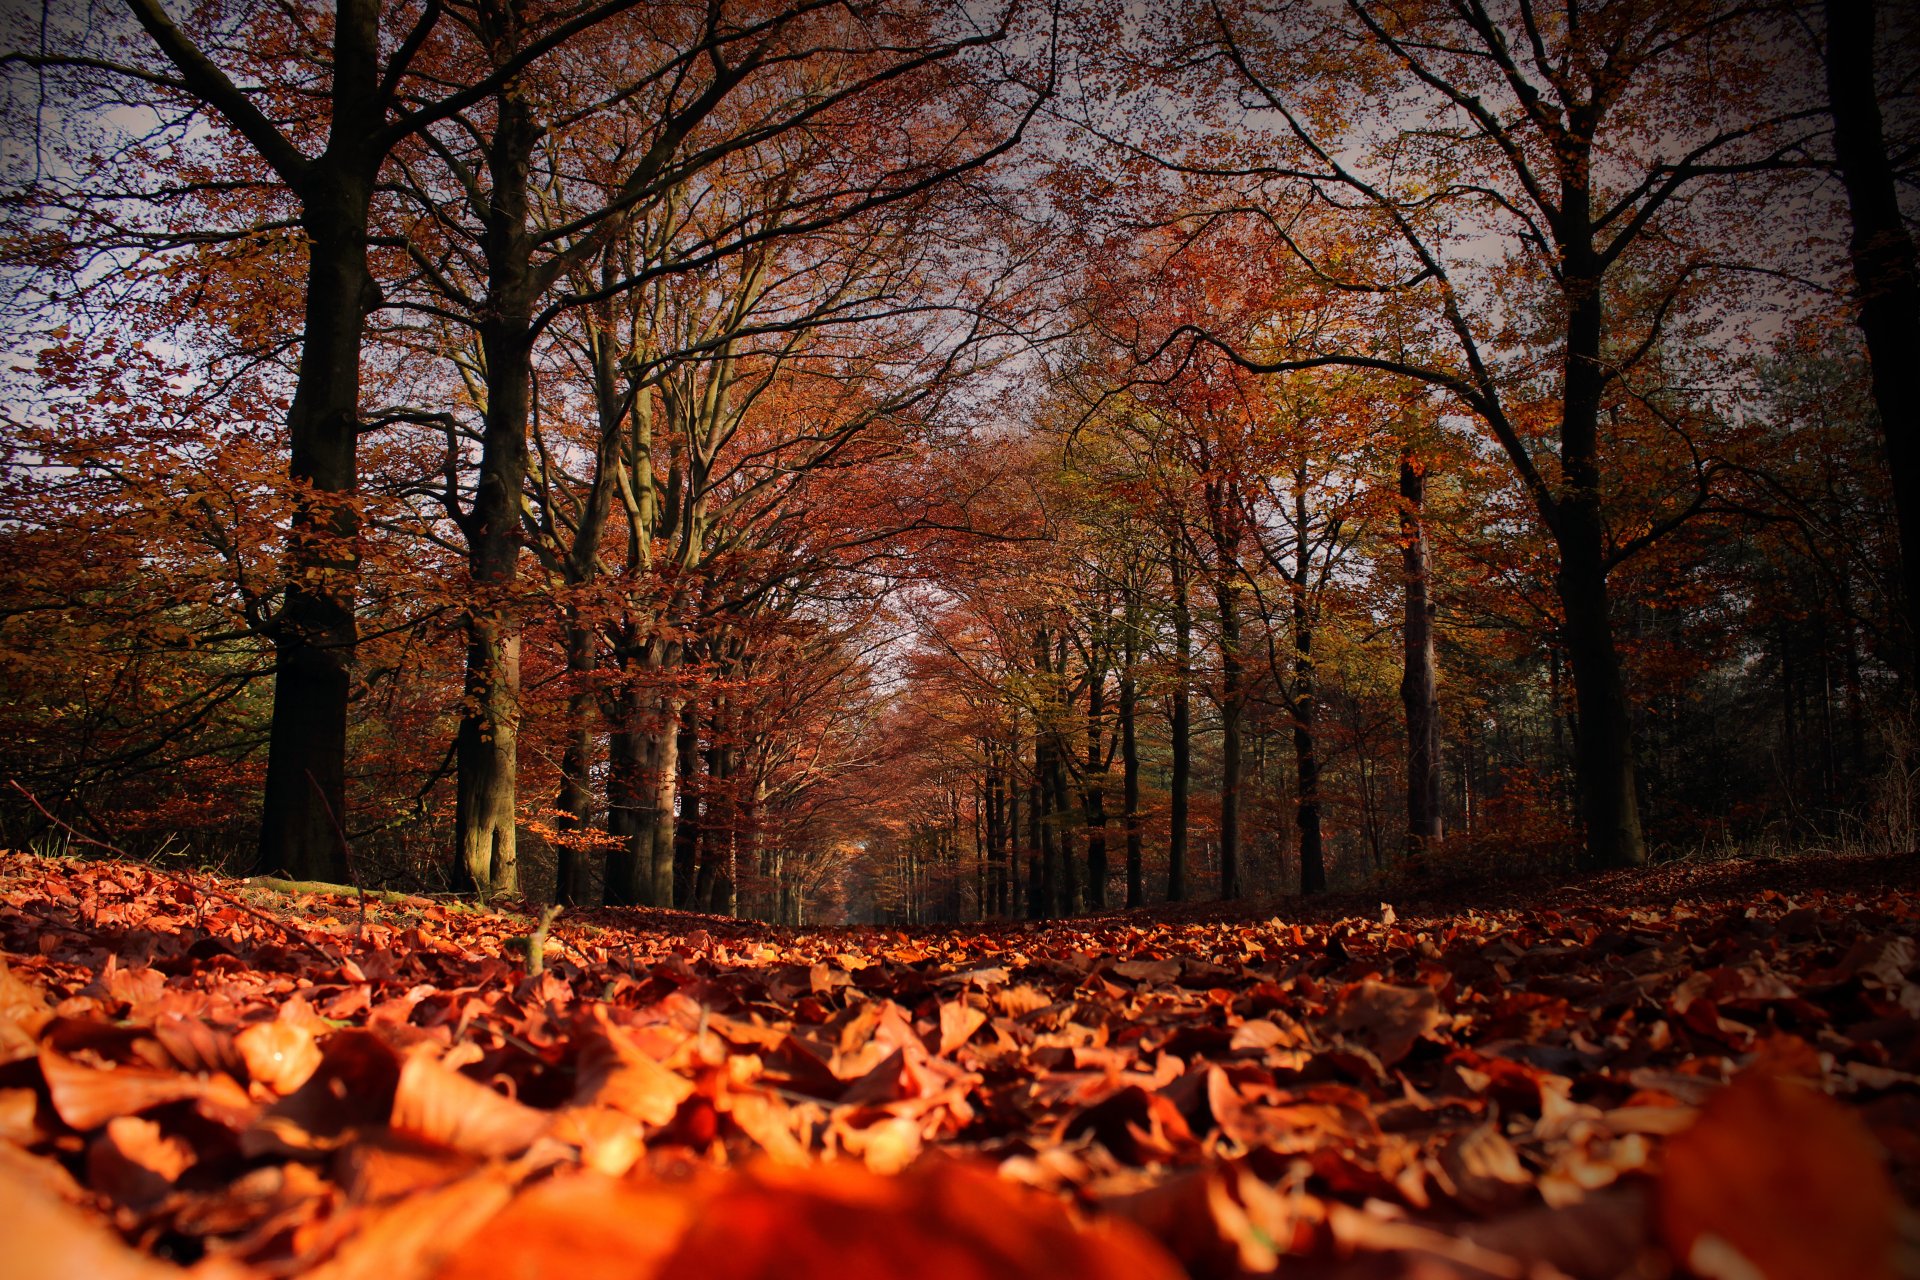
[(1039, 887), (1130, 781), (688, 830), (1182, 733), (1306, 756), (1068, 893), (1094, 795), (1885, 277), (1014, 901), (575, 801), (624, 800), (1046, 900), (304, 811), (1419, 688), (1232, 717), (1603, 751), (486, 748)]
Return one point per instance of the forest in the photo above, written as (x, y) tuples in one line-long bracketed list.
[(1316, 595)]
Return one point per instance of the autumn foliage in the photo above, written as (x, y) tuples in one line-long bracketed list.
[(1671, 1070)]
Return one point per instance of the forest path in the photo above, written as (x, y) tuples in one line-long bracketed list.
[(1502, 1081)]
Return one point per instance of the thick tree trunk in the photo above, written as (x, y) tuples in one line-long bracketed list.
[(1182, 734), (486, 748), (1603, 750), (1419, 687), (486, 760), (642, 787), (1603, 742), (304, 811), (1232, 719), (1884, 272), (663, 774)]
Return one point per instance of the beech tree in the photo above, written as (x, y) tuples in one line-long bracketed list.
[(1587, 149)]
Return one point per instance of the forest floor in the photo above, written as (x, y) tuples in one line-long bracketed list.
[(1701, 1068)]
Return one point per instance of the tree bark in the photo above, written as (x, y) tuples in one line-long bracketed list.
[(486, 747), (1130, 780), (1306, 756), (1886, 281), (304, 811), (1232, 717), (1182, 733), (1419, 687), (575, 801), (1094, 795), (688, 830), (1603, 749)]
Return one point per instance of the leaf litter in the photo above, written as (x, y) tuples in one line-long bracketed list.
[(1667, 1072)]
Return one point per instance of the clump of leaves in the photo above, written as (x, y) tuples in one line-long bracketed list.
[(1660, 1072)]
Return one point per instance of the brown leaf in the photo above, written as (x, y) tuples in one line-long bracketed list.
[(435, 1103), (1779, 1181), (1388, 1019), (88, 1096), (615, 1072), (133, 1162), (958, 1022), (281, 1054), (48, 1237)]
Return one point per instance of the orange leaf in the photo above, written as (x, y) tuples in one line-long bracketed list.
[(438, 1104), (1779, 1181)]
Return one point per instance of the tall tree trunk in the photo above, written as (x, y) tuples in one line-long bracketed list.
[(486, 747), (1067, 889), (645, 773), (1419, 688), (1094, 795), (624, 800), (1182, 733), (304, 811), (688, 830), (1306, 758), (575, 801), (1232, 717), (1130, 779), (1603, 751), (303, 817), (1038, 885), (1046, 900), (1884, 272), (1014, 901)]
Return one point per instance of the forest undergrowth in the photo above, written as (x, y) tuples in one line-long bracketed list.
[(1707, 1068)]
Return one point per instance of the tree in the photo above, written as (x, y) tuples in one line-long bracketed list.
[(323, 147), (1557, 138), (1886, 279)]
